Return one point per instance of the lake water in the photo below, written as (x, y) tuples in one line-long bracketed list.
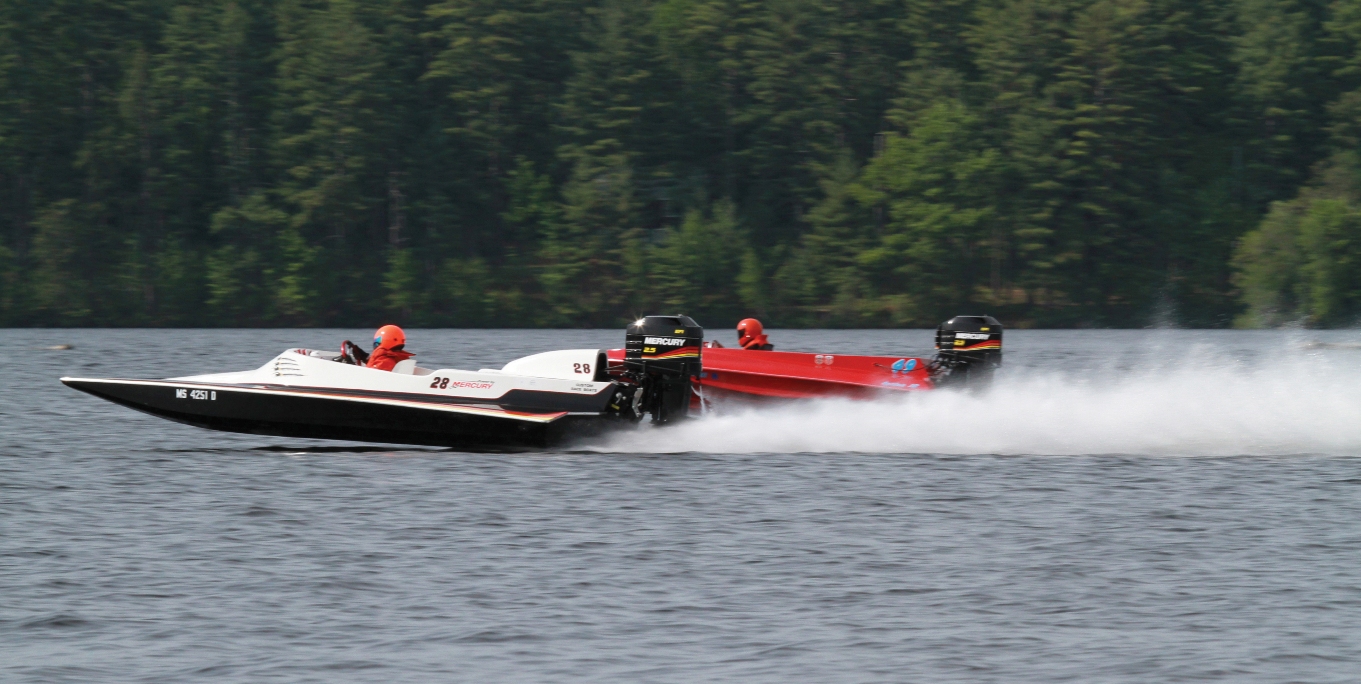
[(1123, 506)]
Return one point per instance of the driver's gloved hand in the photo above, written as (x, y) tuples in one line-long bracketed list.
[(352, 354)]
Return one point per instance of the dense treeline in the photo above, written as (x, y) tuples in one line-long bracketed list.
[(578, 162)]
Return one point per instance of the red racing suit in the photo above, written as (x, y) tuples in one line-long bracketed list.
[(385, 359)]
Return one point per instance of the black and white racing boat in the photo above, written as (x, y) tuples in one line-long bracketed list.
[(537, 400)]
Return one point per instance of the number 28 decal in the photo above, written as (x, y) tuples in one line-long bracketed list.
[(443, 383), (581, 368)]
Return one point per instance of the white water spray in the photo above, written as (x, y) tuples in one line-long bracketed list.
[(1303, 404)]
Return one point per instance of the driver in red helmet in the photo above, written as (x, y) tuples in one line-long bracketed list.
[(750, 335), (387, 348)]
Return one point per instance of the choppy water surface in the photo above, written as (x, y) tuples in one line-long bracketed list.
[(1124, 506)]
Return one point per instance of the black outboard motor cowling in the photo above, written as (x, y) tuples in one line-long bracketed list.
[(661, 354), (968, 349)]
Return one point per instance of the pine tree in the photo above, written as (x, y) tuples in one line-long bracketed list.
[(332, 125), (591, 259)]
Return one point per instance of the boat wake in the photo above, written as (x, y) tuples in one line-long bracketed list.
[(1301, 406)]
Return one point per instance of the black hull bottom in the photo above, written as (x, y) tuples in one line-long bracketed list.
[(309, 416)]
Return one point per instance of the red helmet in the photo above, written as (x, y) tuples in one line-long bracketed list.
[(389, 337), (748, 330)]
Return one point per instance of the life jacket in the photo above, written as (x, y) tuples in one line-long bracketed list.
[(385, 359), (757, 343)]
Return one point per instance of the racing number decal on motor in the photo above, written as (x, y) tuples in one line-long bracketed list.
[(584, 368), (440, 383)]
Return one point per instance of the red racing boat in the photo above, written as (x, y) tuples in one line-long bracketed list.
[(969, 349)]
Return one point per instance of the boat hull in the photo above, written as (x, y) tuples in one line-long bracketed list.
[(742, 375), (312, 413)]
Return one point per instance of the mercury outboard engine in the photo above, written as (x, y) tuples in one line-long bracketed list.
[(968, 350), (661, 354)]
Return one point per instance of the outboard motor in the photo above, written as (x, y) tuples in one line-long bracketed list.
[(968, 350), (661, 354)]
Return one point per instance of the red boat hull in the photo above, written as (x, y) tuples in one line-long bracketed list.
[(798, 375)]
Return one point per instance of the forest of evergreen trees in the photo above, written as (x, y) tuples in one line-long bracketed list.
[(578, 162)]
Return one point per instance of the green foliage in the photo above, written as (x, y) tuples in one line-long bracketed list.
[(11, 294), (580, 162), (465, 292), (1303, 264), (68, 264), (696, 266), (935, 186), (587, 272)]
